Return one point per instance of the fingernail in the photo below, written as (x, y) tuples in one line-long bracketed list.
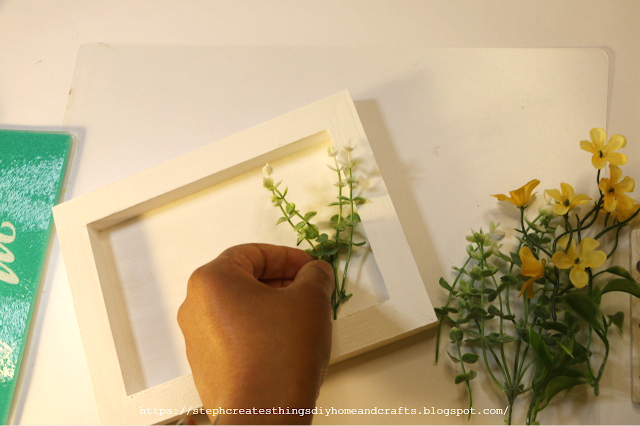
[(321, 264)]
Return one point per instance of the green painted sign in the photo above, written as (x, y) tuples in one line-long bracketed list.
[(32, 167)]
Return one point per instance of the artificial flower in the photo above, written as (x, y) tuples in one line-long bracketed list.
[(603, 153), (586, 257), (531, 267), (614, 191), (547, 208), (566, 201), (521, 196), (623, 214), (267, 171)]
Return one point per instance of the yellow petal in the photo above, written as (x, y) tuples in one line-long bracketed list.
[(624, 202), (616, 142), (609, 202), (614, 175), (529, 187), (587, 245), (588, 146), (562, 261), (598, 137), (598, 162), (560, 209), (616, 158), (501, 197), (595, 259), (603, 185), (528, 286), (578, 277), (519, 198), (580, 199), (531, 267), (627, 185), (567, 191), (555, 194)]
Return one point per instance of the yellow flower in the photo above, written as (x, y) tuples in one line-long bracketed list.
[(566, 201), (624, 214), (603, 153), (531, 267), (614, 191), (521, 196), (586, 257)]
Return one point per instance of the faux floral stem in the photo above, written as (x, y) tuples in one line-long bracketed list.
[(465, 372), (526, 236), (287, 216), (441, 321)]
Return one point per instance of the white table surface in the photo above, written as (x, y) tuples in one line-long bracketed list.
[(38, 45)]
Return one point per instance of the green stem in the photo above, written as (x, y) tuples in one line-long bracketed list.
[(441, 321)]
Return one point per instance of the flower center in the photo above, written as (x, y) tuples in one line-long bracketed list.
[(566, 202), (577, 262), (611, 190), (601, 154)]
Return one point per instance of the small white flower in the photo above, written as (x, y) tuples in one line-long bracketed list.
[(547, 208), (267, 170), (496, 234), (267, 182), (348, 147), (277, 201), (340, 183), (332, 151), (334, 169)]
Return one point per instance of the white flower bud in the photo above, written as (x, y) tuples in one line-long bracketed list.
[(267, 182), (332, 151), (267, 170)]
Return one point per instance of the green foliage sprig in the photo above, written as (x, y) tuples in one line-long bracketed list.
[(544, 344), (330, 249)]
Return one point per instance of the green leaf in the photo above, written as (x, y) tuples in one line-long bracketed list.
[(444, 284), (322, 238), (335, 218), (339, 227), (285, 191), (354, 217), (492, 295), (542, 311), (584, 306), (465, 377), (290, 208), (453, 358), (359, 200), (628, 286), (540, 348), (311, 231), (456, 334), (331, 252), (558, 384), (282, 219), (360, 243), (617, 319), (619, 270), (495, 311), (516, 259), (336, 203), (469, 358), (299, 226), (505, 338), (301, 236), (557, 326), (309, 215), (567, 347)]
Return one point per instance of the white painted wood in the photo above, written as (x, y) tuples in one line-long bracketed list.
[(180, 214), (635, 318)]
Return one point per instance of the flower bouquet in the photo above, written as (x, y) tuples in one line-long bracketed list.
[(535, 312), (341, 244)]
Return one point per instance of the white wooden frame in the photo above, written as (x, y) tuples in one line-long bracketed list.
[(81, 221)]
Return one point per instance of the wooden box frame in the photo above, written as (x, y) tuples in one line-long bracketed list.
[(79, 224)]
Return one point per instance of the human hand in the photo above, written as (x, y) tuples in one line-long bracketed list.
[(257, 328)]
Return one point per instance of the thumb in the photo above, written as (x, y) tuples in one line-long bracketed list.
[(314, 275)]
